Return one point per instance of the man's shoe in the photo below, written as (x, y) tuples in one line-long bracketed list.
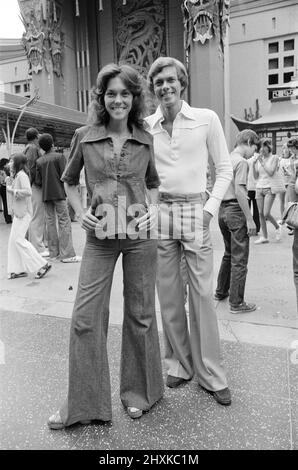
[(243, 308), (45, 254), (220, 297), (174, 382), (223, 397), (134, 413), (261, 240), (73, 259)]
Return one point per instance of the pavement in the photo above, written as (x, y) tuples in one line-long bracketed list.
[(259, 352)]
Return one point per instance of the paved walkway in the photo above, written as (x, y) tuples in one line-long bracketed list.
[(257, 349)]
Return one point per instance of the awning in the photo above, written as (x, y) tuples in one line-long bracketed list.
[(56, 120), (282, 116)]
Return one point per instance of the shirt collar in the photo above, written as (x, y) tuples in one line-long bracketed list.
[(96, 133), (157, 116), (185, 110)]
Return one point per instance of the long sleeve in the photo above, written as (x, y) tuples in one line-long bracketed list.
[(152, 179), (32, 153), (71, 174), (23, 187), (219, 153), (62, 164)]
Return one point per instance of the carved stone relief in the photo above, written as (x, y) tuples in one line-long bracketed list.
[(56, 39), (34, 36), (43, 38), (140, 32), (204, 19)]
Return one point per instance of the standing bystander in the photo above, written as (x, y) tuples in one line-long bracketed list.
[(22, 257), (37, 228), (265, 167), (236, 225), (49, 170)]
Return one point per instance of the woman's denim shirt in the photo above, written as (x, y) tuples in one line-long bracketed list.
[(108, 182)]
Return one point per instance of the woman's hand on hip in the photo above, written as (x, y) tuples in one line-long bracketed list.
[(88, 221), (149, 220)]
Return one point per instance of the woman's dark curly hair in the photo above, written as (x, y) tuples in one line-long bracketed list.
[(97, 113), (19, 162)]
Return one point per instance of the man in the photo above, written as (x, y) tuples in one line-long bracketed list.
[(183, 139), (37, 224), (3, 176), (292, 196), (49, 170), (237, 225)]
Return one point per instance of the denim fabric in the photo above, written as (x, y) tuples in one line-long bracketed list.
[(252, 201), (107, 181), (295, 262), (141, 383), (262, 192), (59, 243), (7, 216), (233, 269)]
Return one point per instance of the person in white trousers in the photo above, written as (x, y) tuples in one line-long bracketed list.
[(22, 256)]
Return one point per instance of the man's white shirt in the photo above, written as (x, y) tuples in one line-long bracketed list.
[(181, 160)]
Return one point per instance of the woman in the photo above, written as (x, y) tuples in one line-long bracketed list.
[(117, 155), (264, 167), (22, 256), (3, 176), (287, 169)]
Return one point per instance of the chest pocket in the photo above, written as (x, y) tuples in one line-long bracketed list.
[(191, 135)]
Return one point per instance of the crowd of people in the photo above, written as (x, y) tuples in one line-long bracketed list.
[(34, 201), (147, 183)]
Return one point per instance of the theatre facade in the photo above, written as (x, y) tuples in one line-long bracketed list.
[(231, 69), (68, 41)]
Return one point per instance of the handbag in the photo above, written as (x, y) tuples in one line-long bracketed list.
[(290, 215), (277, 181)]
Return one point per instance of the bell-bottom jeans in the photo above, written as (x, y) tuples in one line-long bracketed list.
[(141, 382)]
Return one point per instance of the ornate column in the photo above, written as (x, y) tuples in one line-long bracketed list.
[(205, 23), (44, 42)]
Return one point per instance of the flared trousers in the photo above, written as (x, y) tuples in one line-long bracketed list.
[(141, 383), (194, 347)]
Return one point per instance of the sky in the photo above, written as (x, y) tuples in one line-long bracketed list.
[(10, 24)]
